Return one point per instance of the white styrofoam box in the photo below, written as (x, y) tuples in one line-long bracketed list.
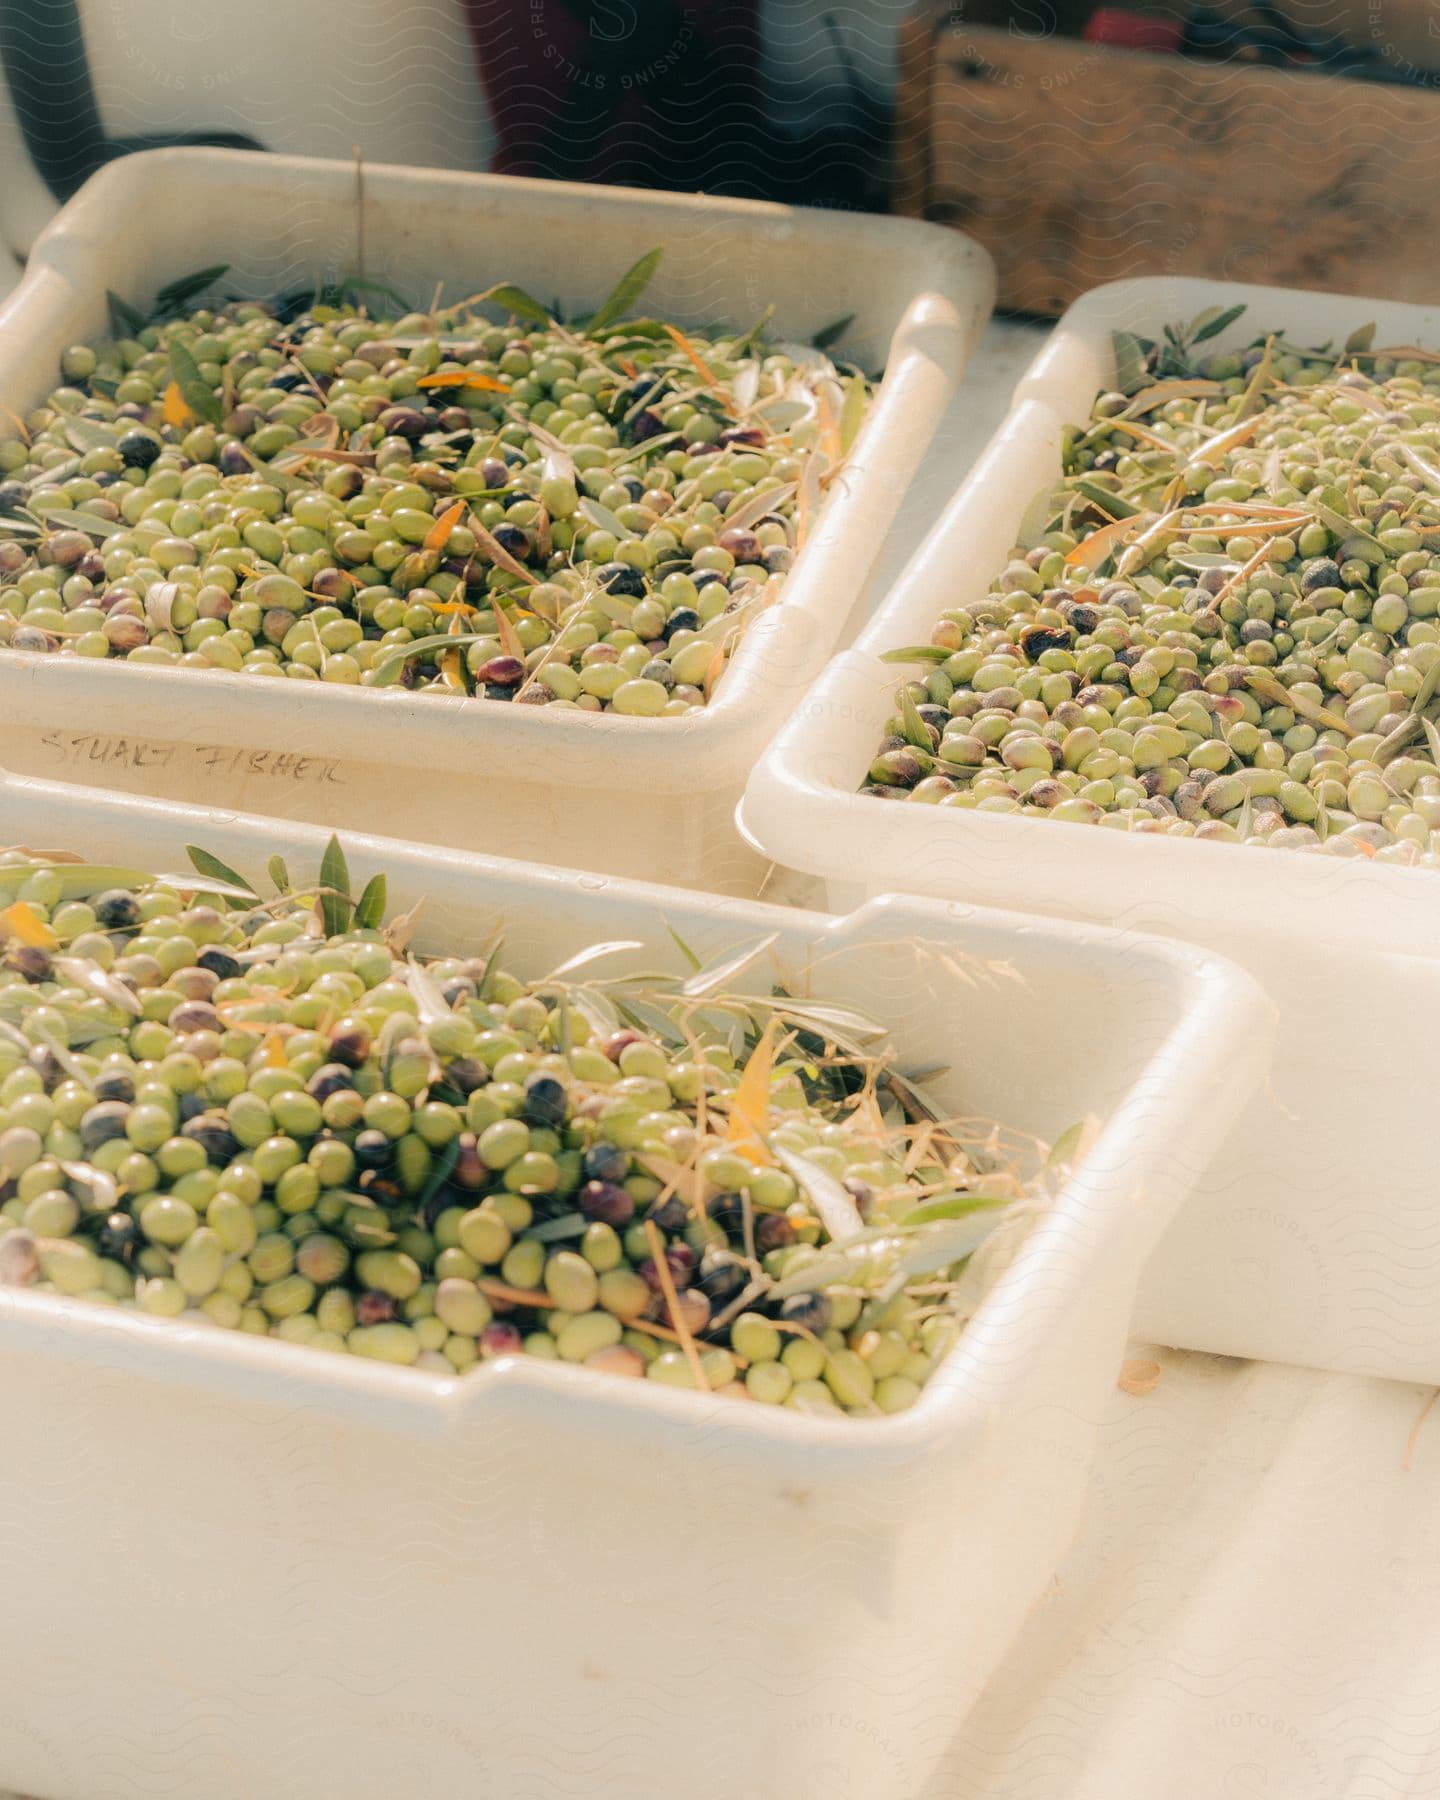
[(649, 798), (258, 1569), (1315, 1235)]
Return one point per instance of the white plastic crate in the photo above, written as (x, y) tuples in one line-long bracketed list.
[(1315, 1235), (257, 1569), (649, 798)]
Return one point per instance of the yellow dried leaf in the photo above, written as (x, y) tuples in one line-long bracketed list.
[(464, 378), (701, 367), (750, 1103), (275, 1057), (174, 411), (1092, 551), (438, 536), (23, 922)]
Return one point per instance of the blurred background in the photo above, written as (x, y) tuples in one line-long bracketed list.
[(1295, 142)]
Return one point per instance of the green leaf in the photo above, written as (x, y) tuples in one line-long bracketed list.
[(91, 434), (1107, 499), (385, 670), (1131, 370), (917, 732), (211, 866), (370, 910), (279, 874), (336, 905), (689, 954), (852, 411), (832, 333), (727, 966), (953, 1206), (77, 521), (627, 290), (174, 296), (752, 337), (516, 301), (1360, 340), (125, 319), (918, 653), (199, 395), (1212, 322), (364, 284), (440, 1172)]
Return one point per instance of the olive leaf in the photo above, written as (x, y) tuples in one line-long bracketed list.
[(440, 1172), (370, 908), (917, 653), (625, 293), (515, 300), (336, 905), (953, 1206), (77, 521), (91, 434), (1360, 339), (726, 967), (126, 320), (603, 517), (683, 947), (198, 394), (852, 412), (365, 284), (211, 866), (386, 670), (1212, 322), (744, 345), (832, 333), (917, 732), (175, 295), (834, 1204), (592, 953), (1107, 499), (1132, 370), (279, 874)]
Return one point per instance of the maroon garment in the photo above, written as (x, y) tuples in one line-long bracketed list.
[(652, 93)]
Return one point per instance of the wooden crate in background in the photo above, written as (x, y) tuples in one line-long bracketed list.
[(1075, 163)]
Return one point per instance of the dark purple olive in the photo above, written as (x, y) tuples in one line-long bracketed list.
[(722, 1275), (194, 1015), (43, 1060), (494, 473), (470, 1171), (232, 460), (114, 1084), (350, 1042), (373, 1150), (499, 1339), (374, 1308), (219, 963), (681, 1259), (684, 618), (513, 539), (812, 1311), (670, 1215), (607, 1202), (333, 1078), (104, 1121), (32, 962), (743, 545), (620, 578), (91, 566), (118, 1238), (403, 421), (606, 1162), (116, 909), (241, 421), (545, 1102), (211, 1130), (138, 449), (773, 1231), (466, 1074), (63, 549), (501, 671)]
